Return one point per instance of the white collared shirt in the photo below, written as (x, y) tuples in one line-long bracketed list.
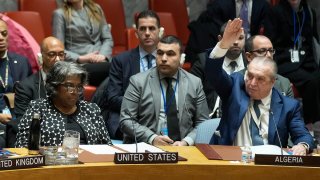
[(243, 136), (144, 61)]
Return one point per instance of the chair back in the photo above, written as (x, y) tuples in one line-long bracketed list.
[(167, 22), (178, 9), (132, 40), (44, 7), (205, 130), (114, 12), (31, 21)]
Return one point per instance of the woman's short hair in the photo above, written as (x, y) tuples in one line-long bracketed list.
[(60, 71)]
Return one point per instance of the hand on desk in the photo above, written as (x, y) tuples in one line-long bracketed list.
[(299, 149), (180, 143), (162, 141)]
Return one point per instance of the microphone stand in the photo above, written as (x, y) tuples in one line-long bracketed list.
[(275, 126), (134, 130)]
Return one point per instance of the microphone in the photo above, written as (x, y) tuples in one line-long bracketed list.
[(134, 130), (275, 126)]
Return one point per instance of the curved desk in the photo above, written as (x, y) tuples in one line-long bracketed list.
[(197, 167)]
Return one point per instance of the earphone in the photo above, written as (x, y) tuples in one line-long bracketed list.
[(182, 58), (40, 60), (161, 32)]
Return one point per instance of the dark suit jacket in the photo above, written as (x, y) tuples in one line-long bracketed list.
[(198, 69), (20, 69), (26, 91), (122, 68), (205, 30), (282, 39), (235, 102)]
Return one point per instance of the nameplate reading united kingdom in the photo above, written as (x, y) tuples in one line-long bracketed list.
[(287, 160), (145, 158), (22, 162)]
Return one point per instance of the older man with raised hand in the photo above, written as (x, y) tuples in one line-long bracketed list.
[(164, 99), (252, 109)]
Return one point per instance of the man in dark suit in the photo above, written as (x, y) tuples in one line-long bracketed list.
[(164, 99), (129, 63), (251, 106), (13, 68), (205, 30), (52, 50)]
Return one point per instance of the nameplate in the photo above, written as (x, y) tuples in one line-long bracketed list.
[(23, 162), (287, 160), (145, 158)]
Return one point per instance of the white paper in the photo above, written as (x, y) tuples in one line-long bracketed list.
[(100, 149), (267, 149), (142, 147)]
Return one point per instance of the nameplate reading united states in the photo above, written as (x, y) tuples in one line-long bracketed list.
[(22, 162), (145, 158)]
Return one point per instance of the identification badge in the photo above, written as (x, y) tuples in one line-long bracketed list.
[(294, 55)]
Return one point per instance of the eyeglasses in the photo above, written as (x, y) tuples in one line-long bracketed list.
[(53, 55), (263, 51), (71, 88), (4, 33)]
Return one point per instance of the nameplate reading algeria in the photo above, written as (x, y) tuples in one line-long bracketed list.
[(23, 162), (287, 160), (145, 158)]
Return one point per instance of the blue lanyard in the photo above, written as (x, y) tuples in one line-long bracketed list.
[(296, 38), (165, 107)]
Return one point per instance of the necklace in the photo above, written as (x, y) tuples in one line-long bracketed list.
[(5, 83)]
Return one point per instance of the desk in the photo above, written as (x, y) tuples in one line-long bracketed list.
[(197, 167)]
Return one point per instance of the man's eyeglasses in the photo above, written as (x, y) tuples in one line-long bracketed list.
[(263, 51), (53, 55), (71, 88)]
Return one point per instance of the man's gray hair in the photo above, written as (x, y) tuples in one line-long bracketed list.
[(268, 62), (60, 71)]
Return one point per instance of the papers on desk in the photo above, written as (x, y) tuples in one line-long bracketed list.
[(100, 149), (142, 147), (267, 149), (120, 148)]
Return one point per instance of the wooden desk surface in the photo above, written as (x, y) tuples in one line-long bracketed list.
[(197, 167)]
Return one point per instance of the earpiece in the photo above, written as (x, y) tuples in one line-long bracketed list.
[(182, 58), (161, 32), (40, 61)]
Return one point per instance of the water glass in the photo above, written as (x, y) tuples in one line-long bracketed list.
[(70, 146)]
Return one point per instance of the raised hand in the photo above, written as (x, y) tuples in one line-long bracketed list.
[(232, 32)]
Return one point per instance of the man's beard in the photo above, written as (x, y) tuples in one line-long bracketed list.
[(233, 54)]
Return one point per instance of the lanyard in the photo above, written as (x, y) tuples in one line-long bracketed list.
[(297, 37), (5, 84), (164, 97)]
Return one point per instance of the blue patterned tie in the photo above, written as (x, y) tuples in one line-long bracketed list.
[(149, 58), (244, 16), (255, 136)]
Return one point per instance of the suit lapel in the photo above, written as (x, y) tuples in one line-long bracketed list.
[(183, 86), (12, 63), (154, 82), (274, 117), (135, 61)]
